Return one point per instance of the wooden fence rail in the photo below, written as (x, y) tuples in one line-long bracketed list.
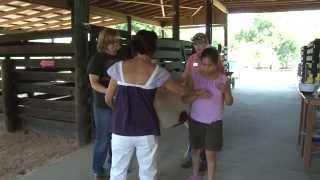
[(44, 76), (18, 37), (40, 49)]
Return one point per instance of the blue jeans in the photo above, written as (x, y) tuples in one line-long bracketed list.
[(102, 145)]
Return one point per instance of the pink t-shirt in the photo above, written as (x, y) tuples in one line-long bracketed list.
[(208, 110)]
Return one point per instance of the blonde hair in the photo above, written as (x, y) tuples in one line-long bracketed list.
[(105, 38), (200, 38)]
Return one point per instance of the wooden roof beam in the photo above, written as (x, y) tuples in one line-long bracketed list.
[(255, 4), (195, 4), (93, 9), (4, 2), (63, 4), (108, 23), (163, 8), (17, 10), (220, 6), (147, 11), (131, 7), (154, 4), (267, 2), (274, 8), (26, 17), (48, 26), (68, 26), (137, 8), (6, 31), (59, 18), (65, 24), (197, 11), (112, 5), (102, 12)]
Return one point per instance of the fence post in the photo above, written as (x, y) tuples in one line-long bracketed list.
[(12, 123), (80, 43)]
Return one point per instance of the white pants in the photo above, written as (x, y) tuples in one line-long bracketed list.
[(146, 151)]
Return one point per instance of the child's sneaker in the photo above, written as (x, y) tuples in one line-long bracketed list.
[(195, 178)]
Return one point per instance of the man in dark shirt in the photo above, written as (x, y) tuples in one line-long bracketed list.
[(107, 48)]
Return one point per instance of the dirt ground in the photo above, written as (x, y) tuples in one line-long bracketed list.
[(24, 151)]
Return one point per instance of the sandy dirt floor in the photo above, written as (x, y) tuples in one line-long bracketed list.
[(24, 151)]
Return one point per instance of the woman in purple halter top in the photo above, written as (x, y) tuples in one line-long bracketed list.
[(131, 93)]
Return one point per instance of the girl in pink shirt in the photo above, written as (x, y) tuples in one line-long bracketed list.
[(200, 43), (207, 110)]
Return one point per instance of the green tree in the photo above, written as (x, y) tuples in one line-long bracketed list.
[(263, 31), (286, 51), (246, 36)]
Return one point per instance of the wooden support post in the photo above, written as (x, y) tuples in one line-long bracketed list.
[(93, 42), (302, 124), (9, 95), (176, 20), (209, 19), (129, 21), (162, 24), (80, 43), (226, 34), (302, 106), (307, 152), (163, 33), (27, 58)]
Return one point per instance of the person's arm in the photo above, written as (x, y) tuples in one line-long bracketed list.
[(110, 92), (175, 87), (187, 69), (227, 94), (192, 94), (163, 80), (95, 84), (190, 97), (228, 98)]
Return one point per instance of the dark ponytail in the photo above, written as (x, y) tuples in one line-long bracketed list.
[(144, 42)]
